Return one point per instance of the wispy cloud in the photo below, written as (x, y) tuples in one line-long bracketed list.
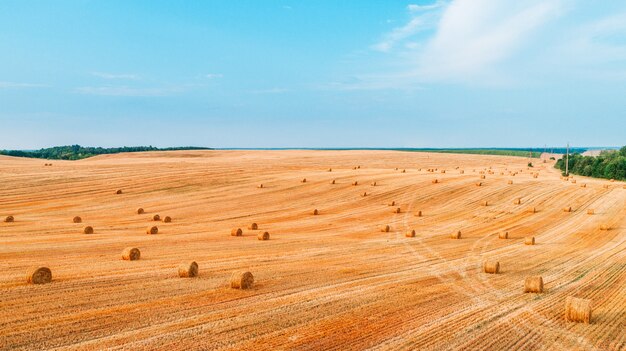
[(127, 91), (213, 75), (421, 19), (14, 85), (104, 75)]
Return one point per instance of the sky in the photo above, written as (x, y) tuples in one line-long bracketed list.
[(286, 73)]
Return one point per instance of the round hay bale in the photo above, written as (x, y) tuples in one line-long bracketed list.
[(9, 219), (392, 203), (241, 280), (167, 219), (330, 169), (577, 310), (491, 267), (462, 172), (359, 167), (456, 235), (404, 171), (156, 217), (385, 229), (484, 203), (315, 212), (253, 226), (605, 227), (260, 186), (397, 210), (152, 230), (131, 254), (482, 176), (535, 175), (435, 181), (355, 183), (443, 171), (573, 181), (517, 201), (188, 270), (236, 232), (532, 210), (479, 183), (605, 186), (373, 183), (410, 234), (418, 214), (503, 235), (303, 180), (533, 284), (364, 194), (583, 185), (140, 210), (332, 181), (88, 230), (39, 275), (263, 236), (77, 219), (119, 191), (529, 240), (510, 182), (567, 209), (590, 211)]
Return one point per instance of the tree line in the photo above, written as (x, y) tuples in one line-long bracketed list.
[(77, 152), (609, 164)]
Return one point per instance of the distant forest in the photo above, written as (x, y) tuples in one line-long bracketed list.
[(77, 152), (609, 164)]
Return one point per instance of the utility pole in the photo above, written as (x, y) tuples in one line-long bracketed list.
[(567, 162)]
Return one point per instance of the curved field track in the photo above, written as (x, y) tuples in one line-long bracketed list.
[(332, 281)]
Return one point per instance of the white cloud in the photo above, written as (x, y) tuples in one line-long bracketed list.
[(105, 75), (417, 8), (213, 75), (14, 85), (421, 18)]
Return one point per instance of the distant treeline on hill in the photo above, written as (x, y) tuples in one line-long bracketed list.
[(77, 152), (609, 164)]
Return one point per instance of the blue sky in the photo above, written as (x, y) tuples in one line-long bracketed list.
[(457, 73)]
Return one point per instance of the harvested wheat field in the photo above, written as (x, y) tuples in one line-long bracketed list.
[(329, 282)]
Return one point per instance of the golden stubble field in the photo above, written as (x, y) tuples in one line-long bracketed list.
[(327, 281)]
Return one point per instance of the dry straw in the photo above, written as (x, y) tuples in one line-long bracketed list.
[(410, 234), (263, 236), (241, 280), (503, 235), (9, 219), (88, 230), (533, 284), (167, 219), (40, 275), (140, 210), (456, 235), (236, 232), (152, 230), (491, 267), (253, 226), (77, 219), (577, 310), (188, 270), (131, 254), (530, 240)]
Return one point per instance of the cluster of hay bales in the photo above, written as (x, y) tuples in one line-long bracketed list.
[(131, 254), (88, 230), (39, 275), (533, 284), (456, 235), (9, 219), (77, 219), (236, 232), (47, 164), (577, 310), (503, 235), (263, 236), (491, 267), (152, 230), (188, 270), (410, 234), (241, 280)]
